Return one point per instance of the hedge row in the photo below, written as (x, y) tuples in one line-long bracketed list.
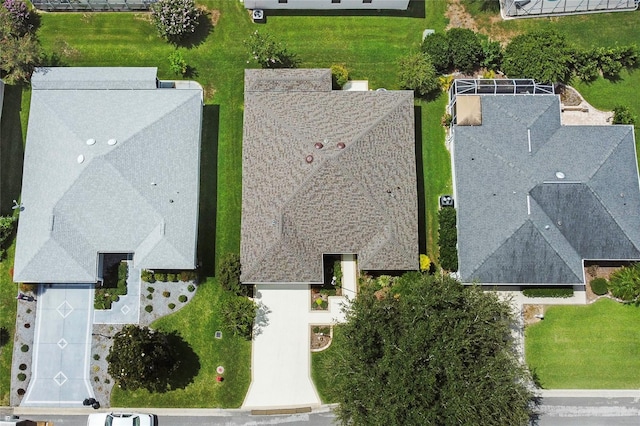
[(448, 239), (168, 276), (548, 292)]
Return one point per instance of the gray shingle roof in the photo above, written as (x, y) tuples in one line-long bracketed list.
[(518, 221), (139, 195), (358, 199)]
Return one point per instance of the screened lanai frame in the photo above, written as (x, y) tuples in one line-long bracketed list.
[(535, 8), (494, 86), (92, 5)]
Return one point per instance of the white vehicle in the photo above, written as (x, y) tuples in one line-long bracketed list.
[(121, 419)]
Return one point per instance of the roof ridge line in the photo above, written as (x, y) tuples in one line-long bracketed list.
[(502, 243), (606, 158), (535, 120), (502, 159), (604, 206)]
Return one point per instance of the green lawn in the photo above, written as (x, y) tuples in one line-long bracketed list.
[(8, 306), (586, 347), (320, 365), (197, 323), (368, 46)]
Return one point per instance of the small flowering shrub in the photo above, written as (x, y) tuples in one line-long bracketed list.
[(269, 53), (174, 19), (20, 15)]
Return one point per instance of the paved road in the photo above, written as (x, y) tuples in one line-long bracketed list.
[(233, 419), (556, 411)]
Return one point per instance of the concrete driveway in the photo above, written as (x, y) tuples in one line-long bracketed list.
[(62, 347), (281, 356)]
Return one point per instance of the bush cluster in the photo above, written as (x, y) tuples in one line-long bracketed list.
[(599, 286), (460, 49), (238, 313), (339, 76), (625, 283), (114, 286), (448, 239), (7, 226), (175, 19), (269, 52), (548, 292), (229, 273), (168, 276)]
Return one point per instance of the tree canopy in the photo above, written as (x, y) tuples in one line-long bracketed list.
[(426, 350), (141, 358), (175, 19), (544, 55)]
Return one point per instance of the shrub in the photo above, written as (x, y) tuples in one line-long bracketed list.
[(160, 276), (491, 53), (150, 296), (465, 49), (22, 377), (229, 275), (172, 306), (21, 391), (166, 293), (7, 225), (22, 367), (437, 47), (96, 357), (147, 276), (418, 74), (625, 283), (174, 19), (4, 336), (191, 288), (339, 76), (448, 239), (123, 271), (172, 278), (177, 64), (33, 288), (20, 16), (622, 115), (24, 348), (543, 55), (182, 298), (107, 381), (269, 53), (151, 289), (425, 262), (148, 308), (548, 292), (599, 286), (96, 378), (239, 313)]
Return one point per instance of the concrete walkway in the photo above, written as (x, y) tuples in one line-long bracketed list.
[(62, 347), (281, 355)]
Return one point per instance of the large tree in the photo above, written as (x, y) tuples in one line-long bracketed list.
[(141, 358), (544, 55), (426, 350)]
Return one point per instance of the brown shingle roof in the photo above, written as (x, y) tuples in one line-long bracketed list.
[(355, 194)]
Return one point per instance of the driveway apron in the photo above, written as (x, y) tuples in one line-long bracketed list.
[(281, 354), (62, 347)]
